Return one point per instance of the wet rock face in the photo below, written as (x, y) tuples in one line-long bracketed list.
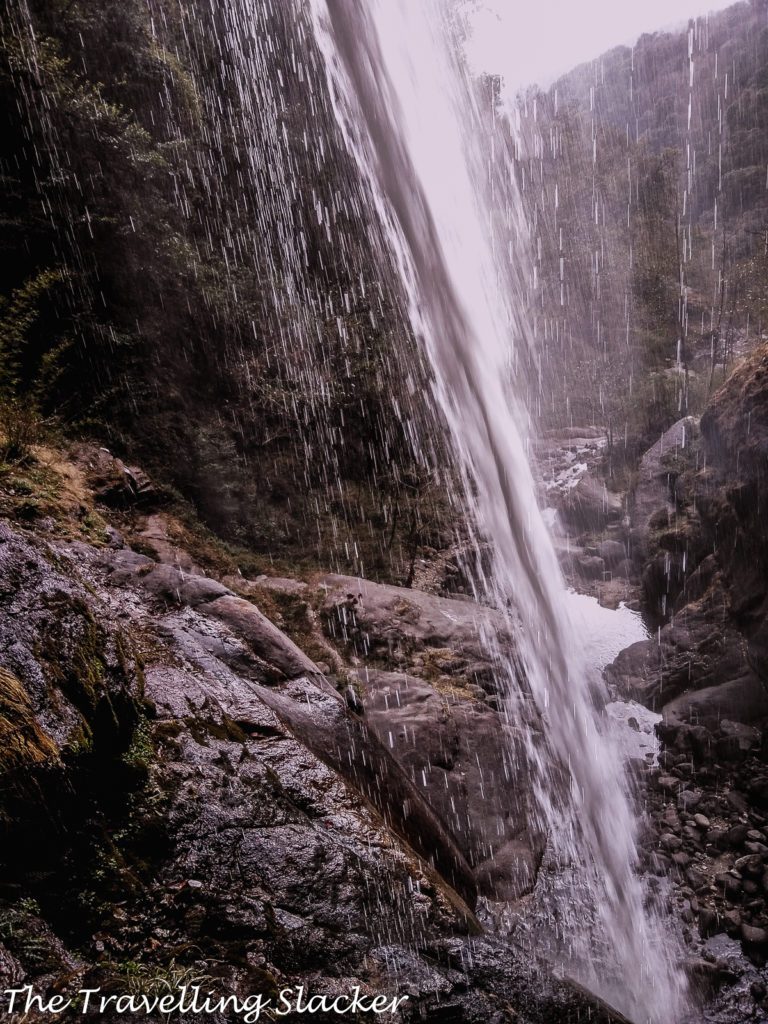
[(735, 428), (289, 858), (445, 717), (437, 736), (232, 840), (653, 493), (695, 669), (392, 625), (665, 540), (699, 537), (210, 808)]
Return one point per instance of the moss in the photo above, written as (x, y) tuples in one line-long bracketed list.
[(202, 730), (77, 668), (166, 732), (130, 660), (216, 556), (438, 661), (51, 557), (294, 614), (345, 681), (141, 753), (41, 492), (79, 744), (142, 547), (262, 981)]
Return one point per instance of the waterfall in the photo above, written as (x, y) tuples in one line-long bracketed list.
[(404, 106)]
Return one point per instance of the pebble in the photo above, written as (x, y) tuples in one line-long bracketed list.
[(668, 782), (752, 864), (114, 538), (701, 820), (671, 818), (659, 863), (757, 990), (670, 842), (717, 837), (687, 800), (709, 923), (737, 835), (729, 885), (732, 921), (737, 802), (755, 936), (697, 879)]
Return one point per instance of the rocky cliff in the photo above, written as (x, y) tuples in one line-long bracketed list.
[(698, 541), (186, 796)]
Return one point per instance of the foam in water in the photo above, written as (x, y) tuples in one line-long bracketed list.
[(404, 106)]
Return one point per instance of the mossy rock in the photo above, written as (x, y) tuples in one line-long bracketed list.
[(100, 674)]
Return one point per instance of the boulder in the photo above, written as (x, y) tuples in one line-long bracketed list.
[(589, 506), (485, 799), (374, 620), (743, 698), (113, 483), (589, 567), (696, 670), (613, 552), (172, 586), (263, 637), (652, 494)]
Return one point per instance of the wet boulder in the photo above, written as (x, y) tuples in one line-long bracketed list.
[(459, 752), (589, 506), (589, 567), (113, 483), (394, 624), (613, 552), (653, 492)]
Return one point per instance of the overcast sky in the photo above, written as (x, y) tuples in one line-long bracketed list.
[(530, 41)]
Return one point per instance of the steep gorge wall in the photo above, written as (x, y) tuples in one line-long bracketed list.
[(186, 276)]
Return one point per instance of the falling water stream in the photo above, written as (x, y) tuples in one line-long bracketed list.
[(405, 108)]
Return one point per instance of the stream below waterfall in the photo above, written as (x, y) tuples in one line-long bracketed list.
[(606, 632)]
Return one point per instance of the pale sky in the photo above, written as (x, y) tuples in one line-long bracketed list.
[(529, 41)]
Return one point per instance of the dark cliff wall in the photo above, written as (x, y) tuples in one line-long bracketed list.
[(186, 274)]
